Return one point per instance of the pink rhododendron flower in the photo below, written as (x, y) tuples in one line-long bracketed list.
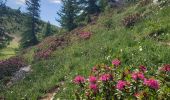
[(85, 35), (137, 75), (79, 79), (166, 68), (93, 87), (92, 79), (121, 84), (142, 68), (152, 83), (116, 62), (94, 69), (105, 77)]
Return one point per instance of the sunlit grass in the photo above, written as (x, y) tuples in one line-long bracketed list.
[(10, 50), (79, 57)]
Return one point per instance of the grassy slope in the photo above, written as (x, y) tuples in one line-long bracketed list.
[(11, 49), (80, 56)]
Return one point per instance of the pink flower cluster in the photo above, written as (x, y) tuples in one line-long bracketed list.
[(92, 79), (45, 54), (116, 62), (109, 83), (47, 46), (166, 68), (142, 68), (93, 87), (152, 83), (79, 79), (121, 84), (11, 65), (105, 77), (85, 35), (137, 75)]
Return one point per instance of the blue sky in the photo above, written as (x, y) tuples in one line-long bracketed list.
[(49, 9)]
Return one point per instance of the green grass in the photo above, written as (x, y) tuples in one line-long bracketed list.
[(10, 50), (82, 55)]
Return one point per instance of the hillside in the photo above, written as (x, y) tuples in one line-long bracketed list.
[(15, 25), (137, 35)]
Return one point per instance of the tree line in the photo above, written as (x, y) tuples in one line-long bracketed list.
[(72, 13), (3, 37)]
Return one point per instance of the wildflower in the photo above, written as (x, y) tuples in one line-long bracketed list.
[(79, 79), (105, 77), (116, 62), (137, 75), (121, 84), (92, 79), (94, 69), (152, 83), (93, 87), (142, 68), (108, 57), (166, 68), (121, 50), (140, 48)]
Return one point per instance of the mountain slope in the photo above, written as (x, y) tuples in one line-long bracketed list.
[(139, 44), (14, 22)]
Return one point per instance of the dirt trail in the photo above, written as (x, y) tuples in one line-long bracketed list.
[(50, 94), (15, 41), (165, 43)]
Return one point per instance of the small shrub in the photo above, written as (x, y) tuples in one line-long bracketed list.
[(131, 20), (85, 35), (11, 65), (144, 2), (49, 45), (119, 83)]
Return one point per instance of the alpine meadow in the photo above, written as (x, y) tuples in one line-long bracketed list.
[(98, 50)]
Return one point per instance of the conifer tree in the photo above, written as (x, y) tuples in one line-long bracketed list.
[(29, 37), (103, 4), (91, 6), (68, 14), (48, 30), (3, 37)]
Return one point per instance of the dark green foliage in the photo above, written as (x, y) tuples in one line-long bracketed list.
[(68, 14), (48, 30), (103, 4), (3, 36), (29, 37), (92, 7)]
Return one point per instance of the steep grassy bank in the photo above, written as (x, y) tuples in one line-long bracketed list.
[(137, 45)]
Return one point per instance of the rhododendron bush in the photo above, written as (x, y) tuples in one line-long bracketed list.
[(48, 46), (117, 82), (9, 66), (85, 35)]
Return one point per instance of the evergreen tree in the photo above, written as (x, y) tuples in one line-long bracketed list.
[(48, 30), (68, 14), (3, 37), (103, 4), (91, 6), (29, 37)]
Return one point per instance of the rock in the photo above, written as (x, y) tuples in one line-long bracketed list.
[(19, 75)]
